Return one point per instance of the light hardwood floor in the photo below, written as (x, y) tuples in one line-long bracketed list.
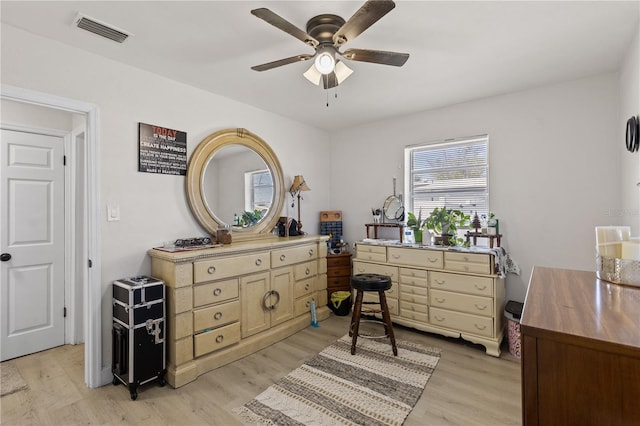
[(467, 388)]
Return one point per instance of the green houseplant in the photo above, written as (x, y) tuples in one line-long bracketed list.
[(444, 223), (416, 224)]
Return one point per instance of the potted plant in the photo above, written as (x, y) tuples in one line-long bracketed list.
[(416, 224), (444, 223)]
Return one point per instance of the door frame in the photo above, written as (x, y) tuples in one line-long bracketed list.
[(94, 376)]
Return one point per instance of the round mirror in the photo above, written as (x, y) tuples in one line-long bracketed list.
[(393, 208), (235, 179)]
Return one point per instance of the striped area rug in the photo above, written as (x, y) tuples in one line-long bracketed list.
[(371, 387)]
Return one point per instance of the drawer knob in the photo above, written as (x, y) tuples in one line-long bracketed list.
[(481, 307), (306, 286), (211, 270), (217, 292), (282, 257), (307, 271), (219, 338), (258, 262), (308, 304), (217, 315), (311, 252)]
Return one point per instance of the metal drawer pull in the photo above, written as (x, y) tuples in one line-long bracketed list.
[(306, 286), (211, 269), (439, 282), (310, 252), (307, 271), (308, 304), (480, 327), (219, 338), (480, 308), (439, 300), (258, 262), (480, 287), (395, 256), (282, 257), (432, 260), (438, 318), (217, 292), (217, 315)]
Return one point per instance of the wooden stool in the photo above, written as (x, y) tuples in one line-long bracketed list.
[(371, 282)]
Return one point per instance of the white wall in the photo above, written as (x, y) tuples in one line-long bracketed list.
[(554, 168), (628, 212), (153, 207)]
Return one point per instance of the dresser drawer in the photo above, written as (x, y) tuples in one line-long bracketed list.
[(219, 291), (215, 316), (413, 307), (415, 277), (293, 255), (339, 282), (303, 305), (215, 269), (414, 298), (214, 340), (374, 268), (413, 290), (303, 287), (473, 324), (482, 286), (477, 305), (476, 263), (414, 312), (339, 271), (305, 270), (338, 260), (374, 253), (415, 257)]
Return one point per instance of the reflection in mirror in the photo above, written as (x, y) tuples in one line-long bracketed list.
[(237, 186), (393, 208)]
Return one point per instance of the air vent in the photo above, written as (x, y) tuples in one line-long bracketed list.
[(100, 28)]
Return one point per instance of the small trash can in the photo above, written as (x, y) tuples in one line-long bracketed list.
[(340, 303), (513, 312)]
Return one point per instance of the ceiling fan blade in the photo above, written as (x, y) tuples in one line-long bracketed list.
[(366, 16), (281, 62), (376, 56), (286, 26)]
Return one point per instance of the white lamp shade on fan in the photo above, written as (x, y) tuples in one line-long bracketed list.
[(341, 70)]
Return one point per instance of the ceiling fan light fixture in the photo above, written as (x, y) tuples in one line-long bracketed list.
[(325, 60), (342, 71)]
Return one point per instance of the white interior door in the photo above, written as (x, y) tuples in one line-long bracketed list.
[(32, 242)]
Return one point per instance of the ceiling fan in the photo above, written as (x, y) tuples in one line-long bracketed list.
[(327, 34)]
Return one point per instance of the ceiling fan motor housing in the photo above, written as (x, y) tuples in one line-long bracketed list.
[(323, 27)]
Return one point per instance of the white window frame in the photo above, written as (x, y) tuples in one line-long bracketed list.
[(250, 189), (442, 192)]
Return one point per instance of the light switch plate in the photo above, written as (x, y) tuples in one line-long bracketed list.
[(113, 213)]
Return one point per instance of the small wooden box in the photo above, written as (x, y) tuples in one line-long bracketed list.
[(331, 216)]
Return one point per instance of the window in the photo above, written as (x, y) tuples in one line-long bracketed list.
[(259, 193), (452, 174)]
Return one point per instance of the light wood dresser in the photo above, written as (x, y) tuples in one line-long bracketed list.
[(580, 350), (227, 302), (455, 293)]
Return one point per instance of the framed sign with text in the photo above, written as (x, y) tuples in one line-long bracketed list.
[(162, 150)]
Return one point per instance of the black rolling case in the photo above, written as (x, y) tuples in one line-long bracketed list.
[(138, 354)]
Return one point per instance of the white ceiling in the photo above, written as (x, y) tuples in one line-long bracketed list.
[(460, 51)]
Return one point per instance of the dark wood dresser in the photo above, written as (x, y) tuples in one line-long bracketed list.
[(580, 350), (338, 273)]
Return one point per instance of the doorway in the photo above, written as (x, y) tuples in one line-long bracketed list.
[(87, 268)]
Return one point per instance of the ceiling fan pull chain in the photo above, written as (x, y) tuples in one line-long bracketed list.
[(327, 93)]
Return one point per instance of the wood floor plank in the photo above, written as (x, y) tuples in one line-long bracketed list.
[(467, 388)]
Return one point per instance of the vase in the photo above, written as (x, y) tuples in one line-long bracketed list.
[(417, 235)]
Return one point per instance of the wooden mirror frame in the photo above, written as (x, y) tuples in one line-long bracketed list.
[(195, 177)]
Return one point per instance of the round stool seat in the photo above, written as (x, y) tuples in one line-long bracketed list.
[(370, 282)]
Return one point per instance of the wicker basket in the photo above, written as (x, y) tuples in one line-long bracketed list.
[(618, 271)]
